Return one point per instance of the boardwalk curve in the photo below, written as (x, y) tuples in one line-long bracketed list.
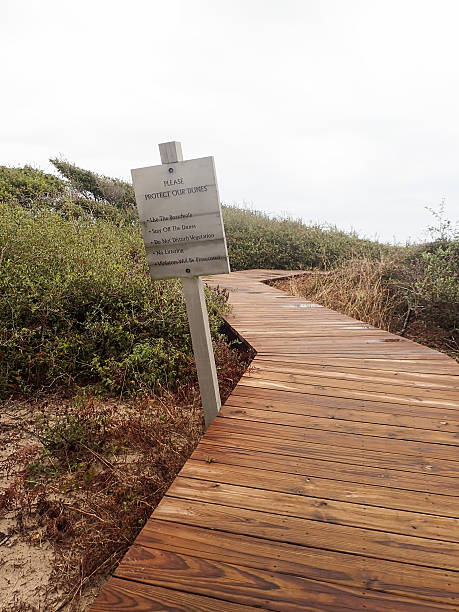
[(329, 481)]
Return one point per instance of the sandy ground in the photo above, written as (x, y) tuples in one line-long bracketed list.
[(29, 563), (49, 520), (24, 574), (26, 561)]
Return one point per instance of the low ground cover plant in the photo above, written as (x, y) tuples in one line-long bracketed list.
[(85, 480), (86, 474)]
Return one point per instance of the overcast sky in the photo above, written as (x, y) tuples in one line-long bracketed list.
[(338, 111)]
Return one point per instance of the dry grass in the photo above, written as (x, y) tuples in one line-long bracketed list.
[(359, 289), (84, 475), (384, 294)]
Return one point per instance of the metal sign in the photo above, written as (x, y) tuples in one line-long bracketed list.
[(180, 215)]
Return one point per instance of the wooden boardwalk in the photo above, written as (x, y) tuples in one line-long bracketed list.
[(329, 481)]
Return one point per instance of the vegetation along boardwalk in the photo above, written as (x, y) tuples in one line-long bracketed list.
[(329, 481)]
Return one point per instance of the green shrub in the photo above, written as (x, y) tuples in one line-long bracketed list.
[(32, 188), (77, 304), (254, 239), (28, 186), (91, 185), (258, 241), (76, 300), (436, 291)]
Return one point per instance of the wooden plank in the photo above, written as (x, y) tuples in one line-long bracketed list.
[(409, 364), (340, 425), (316, 534), (423, 394), (321, 389), (226, 427), (416, 379), (344, 331), (251, 586), (318, 509), (333, 345), (434, 419), (289, 402), (324, 565), (371, 339), (326, 468), (363, 456), (403, 363), (364, 338), (343, 348), (120, 595), (329, 488)]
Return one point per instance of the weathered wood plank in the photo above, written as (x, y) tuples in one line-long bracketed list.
[(341, 425), (301, 403), (120, 595), (224, 426), (402, 363), (212, 453), (388, 388), (254, 476), (311, 386), (316, 534), (321, 509), (363, 455), (404, 379), (382, 414)]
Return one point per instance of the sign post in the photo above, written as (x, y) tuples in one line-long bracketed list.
[(180, 216)]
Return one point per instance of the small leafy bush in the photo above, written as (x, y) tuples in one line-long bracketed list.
[(77, 305)]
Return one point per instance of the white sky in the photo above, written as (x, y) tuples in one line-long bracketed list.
[(340, 111)]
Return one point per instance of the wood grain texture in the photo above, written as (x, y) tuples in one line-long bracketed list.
[(319, 564), (124, 596), (367, 411), (314, 533), (360, 455), (318, 508), (329, 481), (332, 436), (255, 477), (338, 423), (322, 468), (252, 586)]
